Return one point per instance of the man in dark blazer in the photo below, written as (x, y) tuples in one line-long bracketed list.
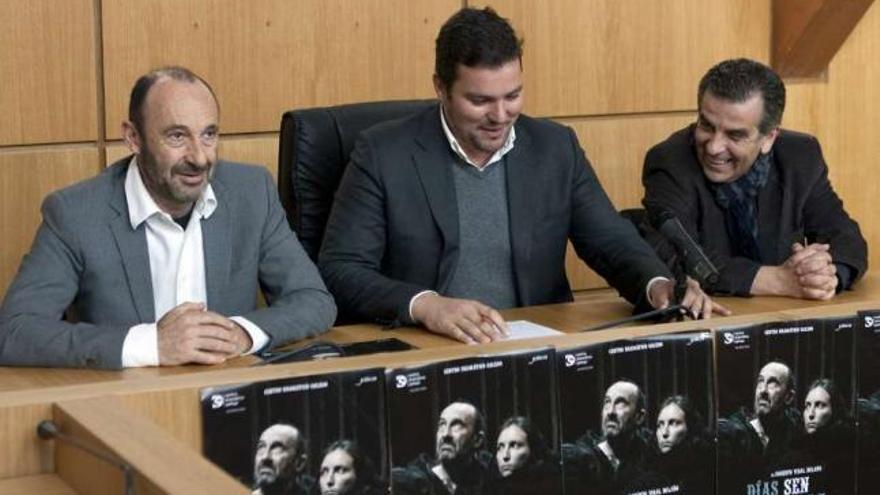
[(757, 198), (161, 256), (444, 217)]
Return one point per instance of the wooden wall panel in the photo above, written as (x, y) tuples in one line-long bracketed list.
[(629, 56), (843, 111), (267, 56), (47, 71), (616, 148), (26, 177), (257, 150)]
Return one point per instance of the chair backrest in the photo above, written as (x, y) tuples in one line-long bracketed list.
[(314, 147)]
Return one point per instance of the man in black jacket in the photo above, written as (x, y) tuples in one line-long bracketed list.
[(445, 217), (757, 198)]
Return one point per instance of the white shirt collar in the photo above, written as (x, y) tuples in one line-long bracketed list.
[(141, 205), (457, 149)]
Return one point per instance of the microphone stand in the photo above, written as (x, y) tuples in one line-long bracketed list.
[(677, 311), (48, 430)]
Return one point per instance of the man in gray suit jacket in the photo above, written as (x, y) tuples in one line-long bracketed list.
[(444, 217), (161, 256)]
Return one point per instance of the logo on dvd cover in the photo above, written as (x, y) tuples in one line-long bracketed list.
[(734, 337), (400, 381), (869, 322), (217, 401), (570, 360)]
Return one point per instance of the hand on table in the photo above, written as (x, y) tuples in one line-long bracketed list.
[(468, 321), (695, 300), (190, 333)]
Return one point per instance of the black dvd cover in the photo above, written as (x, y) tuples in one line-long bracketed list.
[(481, 425), (315, 434), (637, 416), (785, 408), (229, 428), (335, 428), (868, 401)]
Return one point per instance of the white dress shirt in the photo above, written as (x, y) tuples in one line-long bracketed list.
[(177, 266)]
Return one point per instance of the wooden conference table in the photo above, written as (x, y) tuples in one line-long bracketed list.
[(151, 419)]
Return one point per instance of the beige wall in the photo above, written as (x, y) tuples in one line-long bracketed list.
[(622, 73)]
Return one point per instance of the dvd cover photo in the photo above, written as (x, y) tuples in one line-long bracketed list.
[(637, 416), (785, 408), (319, 434), (483, 425)]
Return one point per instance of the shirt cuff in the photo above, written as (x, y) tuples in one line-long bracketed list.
[(413, 301), (141, 346), (258, 336), (648, 289)]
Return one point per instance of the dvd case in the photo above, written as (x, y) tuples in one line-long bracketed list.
[(868, 405), (480, 425), (316, 434), (637, 416), (785, 408)]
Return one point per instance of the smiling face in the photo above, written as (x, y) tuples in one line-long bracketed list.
[(481, 106), (817, 409), (337, 476), (671, 427), (773, 390), (620, 410), (176, 145), (457, 437), (512, 450), (727, 138)]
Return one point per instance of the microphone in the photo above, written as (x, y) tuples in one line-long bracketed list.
[(48, 430), (693, 260)]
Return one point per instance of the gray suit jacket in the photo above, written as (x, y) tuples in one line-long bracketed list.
[(86, 254), (393, 230)]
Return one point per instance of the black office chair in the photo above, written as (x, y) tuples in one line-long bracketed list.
[(314, 147)]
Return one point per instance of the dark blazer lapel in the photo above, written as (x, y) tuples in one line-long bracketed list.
[(770, 209), (521, 197), (217, 244), (132, 246), (431, 160)]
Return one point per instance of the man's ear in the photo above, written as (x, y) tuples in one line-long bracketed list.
[(132, 137), (789, 397), (640, 417), (439, 88), (769, 139), (479, 440), (300, 463)]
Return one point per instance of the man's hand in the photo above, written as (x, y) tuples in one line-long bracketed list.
[(697, 302), (809, 273), (468, 321), (191, 334), (815, 270)]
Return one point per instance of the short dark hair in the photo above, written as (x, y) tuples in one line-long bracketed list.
[(145, 82), (739, 79), (474, 38)]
